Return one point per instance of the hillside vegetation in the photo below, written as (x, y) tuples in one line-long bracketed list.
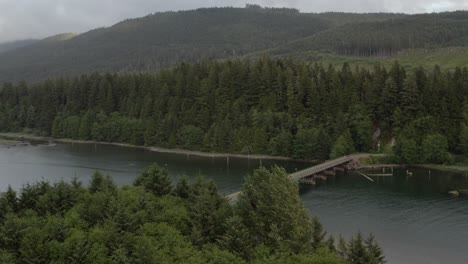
[(7, 46), (161, 40), (166, 39), (388, 37), (270, 106), (446, 58)]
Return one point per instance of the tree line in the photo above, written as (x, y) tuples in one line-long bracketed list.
[(153, 221), (387, 37), (280, 107)]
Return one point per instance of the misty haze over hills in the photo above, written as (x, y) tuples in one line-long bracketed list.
[(12, 45)]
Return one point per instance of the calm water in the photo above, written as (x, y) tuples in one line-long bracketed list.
[(412, 217)]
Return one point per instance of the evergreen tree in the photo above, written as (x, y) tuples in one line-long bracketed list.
[(155, 179), (375, 253), (182, 189), (101, 183), (342, 247), (268, 195), (318, 235), (331, 244), (357, 252), (237, 238), (344, 145), (435, 149)]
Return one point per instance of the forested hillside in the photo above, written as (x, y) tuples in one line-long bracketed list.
[(268, 106), (15, 44), (446, 58), (161, 40), (388, 37), (166, 39)]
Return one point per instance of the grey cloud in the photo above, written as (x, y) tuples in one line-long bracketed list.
[(20, 19)]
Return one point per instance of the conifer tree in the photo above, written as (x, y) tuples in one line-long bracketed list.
[(318, 234), (375, 252), (270, 194), (344, 145), (155, 180), (357, 251)]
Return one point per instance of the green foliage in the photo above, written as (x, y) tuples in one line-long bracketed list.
[(318, 234), (307, 144), (164, 39), (375, 252), (321, 256), (357, 253), (155, 180), (169, 38), (271, 208), (343, 146), (464, 139), (385, 38), (361, 128), (208, 211), (408, 151), (133, 224), (191, 137), (435, 149), (263, 106), (182, 189), (101, 183), (237, 238), (360, 251), (281, 144)]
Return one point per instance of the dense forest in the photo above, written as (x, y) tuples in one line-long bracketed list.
[(388, 37), (153, 221), (267, 106), (162, 40)]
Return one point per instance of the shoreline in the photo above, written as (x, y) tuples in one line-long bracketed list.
[(25, 137), (452, 168), (19, 137)]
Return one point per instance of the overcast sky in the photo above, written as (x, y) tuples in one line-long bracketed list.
[(21, 19)]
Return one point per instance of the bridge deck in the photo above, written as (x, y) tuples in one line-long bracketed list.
[(317, 169), (321, 167)]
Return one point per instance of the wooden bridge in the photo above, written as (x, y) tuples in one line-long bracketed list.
[(321, 171)]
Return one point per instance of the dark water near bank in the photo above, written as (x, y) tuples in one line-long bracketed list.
[(412, 217)]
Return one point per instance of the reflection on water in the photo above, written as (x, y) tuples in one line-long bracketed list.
[(21, 165), (413, 217)]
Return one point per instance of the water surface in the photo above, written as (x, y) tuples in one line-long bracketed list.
[(413, 218)]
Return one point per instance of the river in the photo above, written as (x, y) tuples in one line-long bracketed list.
[(412, 217)]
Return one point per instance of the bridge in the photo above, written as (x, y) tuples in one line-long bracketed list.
[(321, 171)]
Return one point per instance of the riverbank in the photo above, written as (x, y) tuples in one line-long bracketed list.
[(10, 142), (380, 162), (454, 168), (26, 137)]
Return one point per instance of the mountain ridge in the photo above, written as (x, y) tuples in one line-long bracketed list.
[(12, 45), (162, 40)]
